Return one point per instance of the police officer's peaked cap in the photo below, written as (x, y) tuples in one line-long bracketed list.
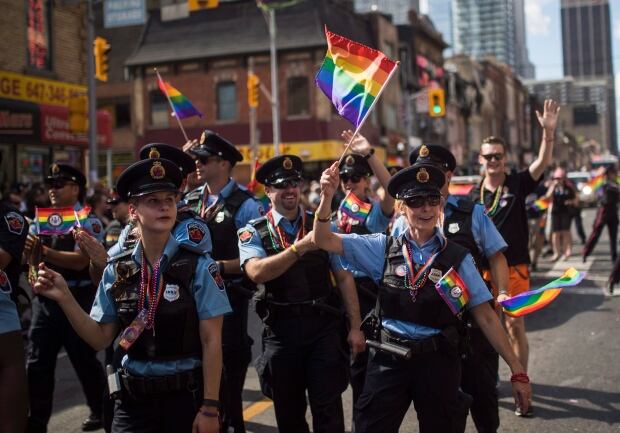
[(279, 169), (419, 179), (65, 172), (435, 154), (355, 164), (211, 144), (148, 176), (115, 199), (172, 153), (393, 169)]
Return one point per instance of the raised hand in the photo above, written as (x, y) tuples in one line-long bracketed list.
[(329, 180), (359, 143), (51, 284), (551, 113), (92, 248), (191, 144)]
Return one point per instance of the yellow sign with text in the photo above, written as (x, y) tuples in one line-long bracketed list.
[(324, 150), (38, 90)]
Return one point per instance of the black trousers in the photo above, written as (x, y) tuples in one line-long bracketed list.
[(603, 217), (479, 369), (305, 354), (237, 354), (579, 225), (50, 330), (168, 413), (430, 380)]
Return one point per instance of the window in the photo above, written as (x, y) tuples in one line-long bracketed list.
[(38, 34), (122, 115), (226, 100), (298, 96), (159, 109)]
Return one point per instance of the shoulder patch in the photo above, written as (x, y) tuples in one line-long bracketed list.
[(245, 235), (217, 277), (96, 227), (14, 222), (195, 232), (5, 284)]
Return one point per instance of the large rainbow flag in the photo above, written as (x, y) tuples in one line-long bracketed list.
[(54, 221), (353, 76), (453, 291), (528, 302), (182, 107)]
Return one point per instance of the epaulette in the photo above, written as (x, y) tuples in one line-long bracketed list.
[(255, 221)]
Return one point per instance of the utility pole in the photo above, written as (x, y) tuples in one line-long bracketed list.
[(92, 102), (275, 97)]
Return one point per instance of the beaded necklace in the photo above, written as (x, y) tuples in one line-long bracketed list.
[(277, 236), (149, 287), (495, 205), (414, 282)]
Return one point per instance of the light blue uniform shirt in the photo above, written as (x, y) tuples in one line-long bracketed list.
[(250, 209), (9, 321), (367, 254), (211, 301), (251, 247), (485, 233)]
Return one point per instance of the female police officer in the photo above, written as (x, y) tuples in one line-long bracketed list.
[(413, 315), (168, 302)]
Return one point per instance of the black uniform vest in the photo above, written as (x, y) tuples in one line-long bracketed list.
[(458, 228), (429, 309), (64, 242), (224, 232), (175, 334), (307, 280)]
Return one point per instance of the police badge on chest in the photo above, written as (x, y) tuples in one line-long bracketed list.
[(171, 292)]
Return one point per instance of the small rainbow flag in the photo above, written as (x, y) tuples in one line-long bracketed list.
[(181, 106), (460, 188), (257, 188), (541, 204), (596, 183), (82, 215), (453, 291), (353, 76), (528, 302), (54, 221), (355, 208)]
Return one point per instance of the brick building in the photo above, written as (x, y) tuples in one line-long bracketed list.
[(42, 66)]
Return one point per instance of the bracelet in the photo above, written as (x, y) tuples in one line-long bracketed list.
[(212, 403), (370, 153), (294, 249), (520, 377), (210, 414), (327, 219)]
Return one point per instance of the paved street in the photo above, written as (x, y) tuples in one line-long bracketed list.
[(574, 363)]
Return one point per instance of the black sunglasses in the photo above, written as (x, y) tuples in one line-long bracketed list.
[(286, 183), (354, 178), (495, 156), (205, 159), (419, 200), (57, 184)]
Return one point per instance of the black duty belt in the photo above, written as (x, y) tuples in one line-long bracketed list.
[(311, 308), (147, 386), (430, 344)]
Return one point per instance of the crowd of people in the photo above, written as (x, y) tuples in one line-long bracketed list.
[(371, 277)]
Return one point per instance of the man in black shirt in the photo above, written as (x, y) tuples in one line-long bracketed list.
[(504, 195)]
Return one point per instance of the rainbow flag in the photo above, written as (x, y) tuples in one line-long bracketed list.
[(460, 188), (82, 215), (181, 106), (453, 291), (257, 188), (355, 208), (541, 204), (353, 76), (596, 183), (54, 221), (528, 302)]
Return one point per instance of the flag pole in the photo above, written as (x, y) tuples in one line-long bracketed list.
[(176, 116), (367, 113)]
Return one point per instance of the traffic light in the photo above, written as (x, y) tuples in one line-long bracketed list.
[(253, 90), (436, 103), (78, 114), (101, 48)]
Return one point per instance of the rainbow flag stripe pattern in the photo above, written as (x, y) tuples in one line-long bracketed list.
[(453, 291), (355, 208), (596, 182), (183, 108), (528, 302), (81, 216), (257, 188), (541, 204), (352, 76), (55, 221)]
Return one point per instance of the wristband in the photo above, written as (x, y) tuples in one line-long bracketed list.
[(327, 219), (211, 403), (369, 154), (520, 377), (220, 267), (294, 249), (210, 414)]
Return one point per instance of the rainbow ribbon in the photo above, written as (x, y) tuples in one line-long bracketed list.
[(453, 291), (528, 302)]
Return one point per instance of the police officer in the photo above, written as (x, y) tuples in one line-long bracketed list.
[(466, 224), (607, 214), (413, 320), (50, 328), (228, 207), (13, 399), (303, 328), (168, 303), (358, 214), (120, 215)]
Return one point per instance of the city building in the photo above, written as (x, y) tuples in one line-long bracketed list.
[(440, 14), (587, 52), (42, 70), (397, 9)]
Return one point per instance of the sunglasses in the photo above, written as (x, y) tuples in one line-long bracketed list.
[(419, 200), (57, 184), (285, 184), (354, 178), (205, 159), (493, 156)]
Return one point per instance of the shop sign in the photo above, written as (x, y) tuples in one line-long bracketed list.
[(18, 120), (37, 90), (55, 128)]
